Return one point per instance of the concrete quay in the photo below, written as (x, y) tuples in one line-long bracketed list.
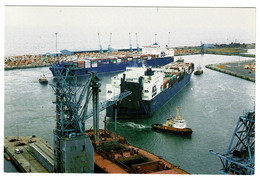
[(241, 69), (26, 160)]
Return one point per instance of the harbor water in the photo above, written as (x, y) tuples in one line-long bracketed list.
[(211, 104)]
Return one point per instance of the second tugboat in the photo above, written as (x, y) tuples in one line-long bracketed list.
[(174, 125), (43, 79), (198, 71)]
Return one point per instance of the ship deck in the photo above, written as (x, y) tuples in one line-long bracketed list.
[(114, 154)]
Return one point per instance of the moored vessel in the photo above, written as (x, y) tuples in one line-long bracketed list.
[(152, 55), (174, 125), (114, 154), (151, 88)]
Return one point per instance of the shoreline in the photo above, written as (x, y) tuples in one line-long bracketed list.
[(236, 69)]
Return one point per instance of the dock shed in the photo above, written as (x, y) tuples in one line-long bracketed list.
[(58, 53)]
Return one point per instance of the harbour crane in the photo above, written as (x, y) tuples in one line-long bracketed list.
[(240, 157), (169, 40), (109, 45), (130, 44), (155, 40), (137, 44), (100, 46), (56, 34), (73, 94), (201, 47)]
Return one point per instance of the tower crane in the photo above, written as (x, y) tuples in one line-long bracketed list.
[(109, 45), (137, 44), (100, 46), (202, 47), (73, 94), (155, 40), (130, 44), (169, 40)]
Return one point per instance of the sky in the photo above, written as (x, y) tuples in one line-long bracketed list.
[(79, 26)]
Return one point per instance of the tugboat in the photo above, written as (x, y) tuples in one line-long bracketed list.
[(174, 125), (180, 59), (198, 71), (43, 79)]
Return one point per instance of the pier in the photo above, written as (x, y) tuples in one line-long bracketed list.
[(29, 154), (242, 69)]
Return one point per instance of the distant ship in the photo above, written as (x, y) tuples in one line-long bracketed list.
[(174, 125), (180, 59), (43, 79), (198, 71), (152, 55), (151, 88)]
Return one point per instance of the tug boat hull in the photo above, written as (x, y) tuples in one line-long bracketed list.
[(184, 131)]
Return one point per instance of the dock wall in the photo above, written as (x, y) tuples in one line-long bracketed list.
[(216, 68)]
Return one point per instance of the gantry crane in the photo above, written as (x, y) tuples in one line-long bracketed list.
[(109, 45), (137, 44), (201, 47), (155, 39), (73, 94), (169, 40), (130, 44), (100, 46), (240, 157)]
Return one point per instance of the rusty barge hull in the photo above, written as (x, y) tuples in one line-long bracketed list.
[(113, 154)]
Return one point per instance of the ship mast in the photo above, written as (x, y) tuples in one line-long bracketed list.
[(178, 114)]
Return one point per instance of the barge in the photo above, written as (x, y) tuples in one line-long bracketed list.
[(114, 154)]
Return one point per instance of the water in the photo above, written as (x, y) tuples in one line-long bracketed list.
[(210, 103)]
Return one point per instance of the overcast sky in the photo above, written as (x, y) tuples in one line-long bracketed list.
[(79, 25)]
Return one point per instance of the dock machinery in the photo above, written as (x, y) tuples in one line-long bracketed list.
[(73, 150), (240, 157)]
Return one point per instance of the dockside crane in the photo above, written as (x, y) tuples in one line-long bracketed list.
[(240, 157), (155, 39), (100, 46), (130, 44), (109, 45), (73, 95), (201, 47), (169, 40), (137, 44)]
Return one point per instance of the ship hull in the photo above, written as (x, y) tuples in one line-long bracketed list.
[(145, 109), (160, 127), (117, 67), (198, 72)]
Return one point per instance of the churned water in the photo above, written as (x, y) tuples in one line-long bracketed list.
[(210, 104)]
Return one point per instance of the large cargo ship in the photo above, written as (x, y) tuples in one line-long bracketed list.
[(152, 55), (151, 88)]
